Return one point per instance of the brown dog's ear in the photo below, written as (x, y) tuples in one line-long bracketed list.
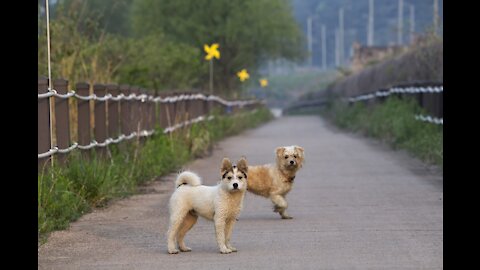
[(242, 165), (279, 151), (299, 150), (226, 165)]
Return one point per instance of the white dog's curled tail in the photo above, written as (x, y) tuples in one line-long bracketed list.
[(188, 178)]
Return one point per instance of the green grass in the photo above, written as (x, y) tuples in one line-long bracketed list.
[(393, 122), (67, 192)]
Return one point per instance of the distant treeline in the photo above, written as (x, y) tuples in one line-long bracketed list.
[(158, 44)]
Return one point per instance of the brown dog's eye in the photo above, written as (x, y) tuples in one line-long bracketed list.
[(295, 156), (286, 157), (239, 177), (229, 178)]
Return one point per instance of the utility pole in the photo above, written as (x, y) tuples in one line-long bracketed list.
[(324, 47), (435, 16), (370, 23), (340, 38), (400, 23), (412, 23), (337, 48), (309, 35)]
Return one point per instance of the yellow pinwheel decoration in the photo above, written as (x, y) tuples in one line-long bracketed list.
[(243, 75), (263, 82), (212, 51)]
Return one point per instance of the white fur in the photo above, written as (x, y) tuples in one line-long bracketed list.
[(221, 203)]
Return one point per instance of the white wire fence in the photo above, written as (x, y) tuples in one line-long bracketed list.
[(429, 97)]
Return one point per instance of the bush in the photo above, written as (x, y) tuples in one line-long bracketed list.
[(393, 122)]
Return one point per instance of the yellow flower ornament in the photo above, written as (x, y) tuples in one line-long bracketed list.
[(212, 51), (243, 75), (263, 82)]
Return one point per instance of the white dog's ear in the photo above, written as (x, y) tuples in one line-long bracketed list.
[(242, 165), (226, 165), (279, 151)]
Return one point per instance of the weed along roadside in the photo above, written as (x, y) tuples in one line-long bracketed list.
[(393, 122), (67, 192)]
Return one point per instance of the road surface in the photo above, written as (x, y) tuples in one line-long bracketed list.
[(356, 204)]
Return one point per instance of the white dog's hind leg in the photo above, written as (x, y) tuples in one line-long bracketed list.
[(187, 224), (228, 233), (220, 232), (176, 219), (280, 205)]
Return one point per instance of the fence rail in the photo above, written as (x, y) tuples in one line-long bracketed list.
[(110, 114), (429, 96)]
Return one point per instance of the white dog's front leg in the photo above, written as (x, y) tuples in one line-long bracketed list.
[(228, 233), (220, 232)]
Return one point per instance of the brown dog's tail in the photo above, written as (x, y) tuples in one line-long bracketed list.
[(188, 178)]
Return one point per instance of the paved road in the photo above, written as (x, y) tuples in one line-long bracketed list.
[(356, 205)]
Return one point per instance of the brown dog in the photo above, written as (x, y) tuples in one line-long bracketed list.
[(274, 181)]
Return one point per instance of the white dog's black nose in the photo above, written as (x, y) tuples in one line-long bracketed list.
[(235, 185), (292, 162)]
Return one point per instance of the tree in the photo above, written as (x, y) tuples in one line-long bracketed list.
[(248, 31)]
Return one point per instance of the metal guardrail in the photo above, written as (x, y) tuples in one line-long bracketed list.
[(422, 88)]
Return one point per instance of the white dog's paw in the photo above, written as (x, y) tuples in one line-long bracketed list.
[(173, 251), (286, 217), (185, 249), (232, 248), (225, 250)]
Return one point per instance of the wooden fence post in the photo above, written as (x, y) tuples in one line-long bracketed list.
[(100, 127), (113, 111), (178, 109), (62, 125), (43, 122), (163, 122), (84, 132), (125, 112), (143, 110), (206, 105), (135, 109), (150, 113), (188, 107)]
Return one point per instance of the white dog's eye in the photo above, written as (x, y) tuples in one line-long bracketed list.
[(229, 178), (286, 157), (239, 177), (295, 156)]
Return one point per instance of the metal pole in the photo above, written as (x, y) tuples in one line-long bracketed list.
[(370, 33), (324, 48), (400, 23), (309, 36), (435, 16), (412, 23), (211, 76), (341, 38), (337, 50)]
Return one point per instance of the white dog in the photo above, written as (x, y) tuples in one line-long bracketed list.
[(221, 203)]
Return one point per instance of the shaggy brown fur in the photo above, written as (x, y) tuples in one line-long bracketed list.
[(274, 181)]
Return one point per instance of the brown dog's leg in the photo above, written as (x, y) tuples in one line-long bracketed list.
[(280, 206)]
